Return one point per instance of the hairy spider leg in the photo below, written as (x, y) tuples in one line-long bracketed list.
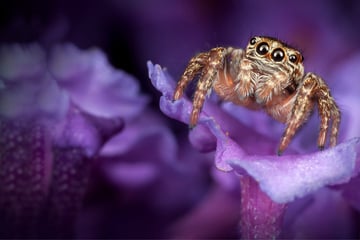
[(336, 117), (328, 110), (302, 108), (206, 81), (194, 67), (325, 115)]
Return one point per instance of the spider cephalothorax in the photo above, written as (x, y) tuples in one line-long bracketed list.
[(267, 75)]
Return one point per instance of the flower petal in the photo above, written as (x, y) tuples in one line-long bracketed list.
[(287, 177), (21, 62), (27, 89), (94, 85)]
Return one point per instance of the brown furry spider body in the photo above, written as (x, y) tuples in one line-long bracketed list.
[(267, 75)]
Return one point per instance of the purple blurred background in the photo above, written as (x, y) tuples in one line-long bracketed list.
[(169, 33)]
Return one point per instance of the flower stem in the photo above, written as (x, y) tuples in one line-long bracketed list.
[(261, 218)]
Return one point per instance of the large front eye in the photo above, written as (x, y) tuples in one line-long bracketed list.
[(262, 48), (278, 55)]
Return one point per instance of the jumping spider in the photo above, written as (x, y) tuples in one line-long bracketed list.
[(267, 75)]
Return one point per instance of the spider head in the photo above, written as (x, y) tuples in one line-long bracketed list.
[(270, 53)]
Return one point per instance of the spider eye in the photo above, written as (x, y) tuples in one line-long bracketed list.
[(278, 55), (253, 41), (262, 48), (293, 58)]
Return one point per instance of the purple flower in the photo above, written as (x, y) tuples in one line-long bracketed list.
[(150, 171), (268, 182), (57, 110)]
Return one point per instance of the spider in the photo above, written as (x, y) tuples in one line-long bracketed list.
[(268, 75)]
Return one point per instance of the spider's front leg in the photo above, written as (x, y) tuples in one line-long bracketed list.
[(207, 65), (312, 90)]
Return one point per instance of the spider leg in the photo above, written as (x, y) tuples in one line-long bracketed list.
[(207, 65), (328, 111), (193, 68), (325, 115), (313, 90), (303, 105), (336, 117), (206, 81)]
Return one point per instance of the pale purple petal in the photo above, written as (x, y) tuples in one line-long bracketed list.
[(28, 89), (128, 167), (180, 109), (137, 133), (288, 177), (94, 85), (83, 131), (21, 62), (157, 76)]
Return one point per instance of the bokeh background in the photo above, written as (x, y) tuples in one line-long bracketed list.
[(169, 33)]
